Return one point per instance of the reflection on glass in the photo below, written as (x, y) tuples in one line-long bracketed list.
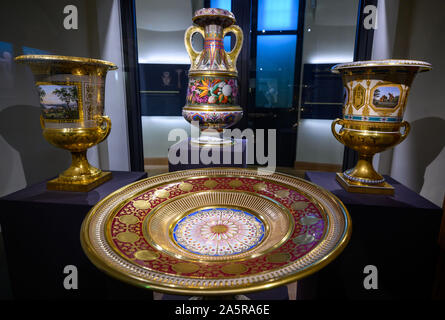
[(6, 73), (277, 15), (29, 50), (328, 39), (275, 70), (227, 43), (5, 47), (163, 66), (222, 4)]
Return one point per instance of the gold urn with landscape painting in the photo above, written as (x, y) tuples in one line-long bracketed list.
[(71, 92), (375, 94)]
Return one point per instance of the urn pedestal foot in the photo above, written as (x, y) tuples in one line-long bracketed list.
[(78, 186), (357, 187), (80, 176), (212, 141)]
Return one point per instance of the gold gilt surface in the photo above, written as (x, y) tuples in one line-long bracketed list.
[(375, 125), (383, 63), (277, 219), (76, 135), (281, 216), (46, 64)]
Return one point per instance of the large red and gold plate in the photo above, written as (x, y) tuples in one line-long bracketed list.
[(215, 231)]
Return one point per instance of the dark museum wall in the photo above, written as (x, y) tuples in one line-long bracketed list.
[(407, 29), (419, 162), (413, 29), (37, 27)]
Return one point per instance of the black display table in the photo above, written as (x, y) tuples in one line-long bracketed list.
[(41, 233), (397, 234)]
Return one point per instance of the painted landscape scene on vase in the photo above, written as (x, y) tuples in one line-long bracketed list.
[(59, 102), (386, 97)]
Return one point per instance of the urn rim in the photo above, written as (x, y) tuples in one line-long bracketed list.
[(226, 17), (42, 58), (421, 65)]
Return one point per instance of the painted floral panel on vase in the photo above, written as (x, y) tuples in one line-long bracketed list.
[(386, 97), (218, 91)]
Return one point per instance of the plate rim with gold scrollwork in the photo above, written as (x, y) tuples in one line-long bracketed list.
[(305, 228)]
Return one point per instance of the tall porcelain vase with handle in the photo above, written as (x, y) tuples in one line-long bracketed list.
[(375, 95), (212, 95), (72, 92)]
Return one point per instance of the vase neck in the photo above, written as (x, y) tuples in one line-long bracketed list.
[(213, 37), (214, 56), (213, 31)]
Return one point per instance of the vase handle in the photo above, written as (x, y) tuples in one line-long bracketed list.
[(42, 122), (407, 127), (233, 54), (101, 120), (188, 44), (336, 134)]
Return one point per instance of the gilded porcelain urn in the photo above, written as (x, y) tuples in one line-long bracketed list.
[(212, 95), (375, 95), (71, 92)]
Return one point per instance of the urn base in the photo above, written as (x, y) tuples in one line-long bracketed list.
[(78, 186), (358, 187), (210, 141)]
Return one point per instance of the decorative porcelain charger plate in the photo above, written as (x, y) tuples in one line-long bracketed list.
[(215, 231)]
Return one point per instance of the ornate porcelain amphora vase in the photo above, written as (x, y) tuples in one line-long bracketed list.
[(72, 91), (212, 95), (375, 94)]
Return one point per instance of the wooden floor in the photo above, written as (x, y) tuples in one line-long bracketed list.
[(159, 169), (154, 166), (155, 169)]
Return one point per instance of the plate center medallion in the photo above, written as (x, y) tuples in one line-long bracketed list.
[(218, 231), (219, 228)]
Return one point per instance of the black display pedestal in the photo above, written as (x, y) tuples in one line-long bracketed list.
[(41, 233), (194, 156), (397, 234)]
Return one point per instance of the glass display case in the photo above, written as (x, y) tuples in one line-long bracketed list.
[(118, 84)]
